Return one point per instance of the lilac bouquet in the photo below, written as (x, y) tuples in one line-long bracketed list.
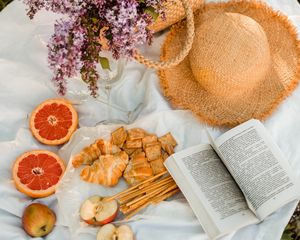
[(91, 26)]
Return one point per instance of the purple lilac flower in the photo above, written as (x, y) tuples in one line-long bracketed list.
[(65, 51), (75, 48), (129, 29)]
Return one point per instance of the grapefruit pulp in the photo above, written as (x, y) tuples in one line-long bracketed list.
[(53, 121), (36, 173)]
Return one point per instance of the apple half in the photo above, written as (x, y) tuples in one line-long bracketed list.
[(95, 211), (110, 232)]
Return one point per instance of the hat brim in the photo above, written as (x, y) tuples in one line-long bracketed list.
[(183, 90)]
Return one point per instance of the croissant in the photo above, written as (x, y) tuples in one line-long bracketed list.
[(89, 154), (107, 148), (106, 170), (137, 170)]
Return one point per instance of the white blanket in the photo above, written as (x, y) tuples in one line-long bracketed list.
[(24, 82)]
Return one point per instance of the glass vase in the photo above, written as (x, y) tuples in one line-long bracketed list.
[(109, 78)]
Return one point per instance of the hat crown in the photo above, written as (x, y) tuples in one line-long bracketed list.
[(230, 54)]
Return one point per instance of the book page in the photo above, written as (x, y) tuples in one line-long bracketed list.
[(258, 167), (213, 188)]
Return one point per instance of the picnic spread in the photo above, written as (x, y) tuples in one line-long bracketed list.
[(93, 105)]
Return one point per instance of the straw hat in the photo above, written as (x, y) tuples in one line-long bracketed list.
[(244, 61)]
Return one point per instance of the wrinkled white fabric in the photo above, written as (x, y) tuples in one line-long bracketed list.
[(24, 82)]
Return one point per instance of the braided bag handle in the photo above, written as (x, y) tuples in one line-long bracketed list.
[(184, 51)]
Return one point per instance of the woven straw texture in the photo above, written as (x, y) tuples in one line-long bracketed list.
[(186, 47), (241, 66), (174, 13)]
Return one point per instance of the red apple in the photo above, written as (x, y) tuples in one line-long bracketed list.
[(110, 232), (95, 211), (38, 220)]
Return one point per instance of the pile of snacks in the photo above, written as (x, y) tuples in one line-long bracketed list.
[(134, 154)]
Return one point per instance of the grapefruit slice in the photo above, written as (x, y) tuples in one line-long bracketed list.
[(36, 173), (53, 121)]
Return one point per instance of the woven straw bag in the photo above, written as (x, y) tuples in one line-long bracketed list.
[(174, 13), (176, 10)]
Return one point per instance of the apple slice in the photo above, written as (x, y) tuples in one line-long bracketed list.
[(110, 232), (124, 233), (95, 211), (106, 232)]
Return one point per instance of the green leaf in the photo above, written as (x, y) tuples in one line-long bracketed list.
[(94, 20), (3, 3), (104, 63), (109, 36), (151, 11), (286, 236)]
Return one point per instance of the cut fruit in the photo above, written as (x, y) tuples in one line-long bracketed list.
[(53, 121), (95, 211), (124, 233), (107, 232), (110, 232), (36, 173)]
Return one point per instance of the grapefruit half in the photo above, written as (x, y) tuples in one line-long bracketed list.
[(36, 173), (54, 121)]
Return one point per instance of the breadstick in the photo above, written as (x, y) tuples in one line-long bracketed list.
[(136, 205), (123, 208), (138, 192), (167, 184), (158, 199), (149, 183), (149, 194), (155, 200), (134, 187), (137, 210)]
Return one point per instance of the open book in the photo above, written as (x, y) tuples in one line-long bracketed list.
[(238, 180)]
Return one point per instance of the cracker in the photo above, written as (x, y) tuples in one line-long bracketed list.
[(136, 133), (165, 155), (152, 144), (134, 143), (153, 152), (129, 151), (157, 166), (169, 149), (168, 143), (167, 139), (119, 136), (149, 139)]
